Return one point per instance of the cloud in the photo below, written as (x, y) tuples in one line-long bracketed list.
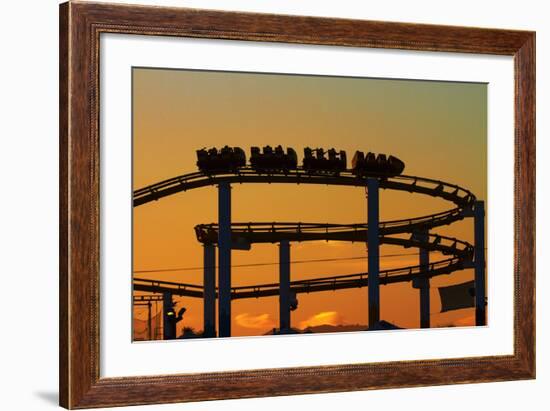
[(465, 321), (260, 321), (323, 318)]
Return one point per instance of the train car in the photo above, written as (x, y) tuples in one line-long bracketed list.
[(225, 159), (273, 160), (316, 162), (395, 165), (362, 165)]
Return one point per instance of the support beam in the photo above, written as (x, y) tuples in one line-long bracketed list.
[(209, 297), (373, 245), (479, 261), (224, 259), (149, 321), (284, 286), (423, 283)]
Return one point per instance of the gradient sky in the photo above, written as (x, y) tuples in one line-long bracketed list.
[(438, 129)]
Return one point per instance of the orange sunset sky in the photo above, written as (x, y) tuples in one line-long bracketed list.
[(437, 128)]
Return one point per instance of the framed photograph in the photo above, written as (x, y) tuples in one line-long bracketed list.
[(260, 205)]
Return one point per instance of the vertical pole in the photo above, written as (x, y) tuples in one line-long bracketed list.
[(424, 282), (479, 261), (157, 323), (284, 286), (149, 321), (224, 259), (373, 244), (168, 324), (209, 285)]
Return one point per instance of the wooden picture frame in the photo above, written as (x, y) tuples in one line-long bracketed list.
[(80, 27)]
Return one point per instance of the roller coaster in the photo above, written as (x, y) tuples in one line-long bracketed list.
[(228, 166)]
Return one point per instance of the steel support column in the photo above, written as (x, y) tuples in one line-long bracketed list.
[(284, 286), (149, 320), (479, 261), (209, 297), (224, 259), (373, 245), (424, 282)]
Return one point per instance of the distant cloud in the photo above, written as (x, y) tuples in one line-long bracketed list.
[(260, 322), (465, 321), (322, 318)]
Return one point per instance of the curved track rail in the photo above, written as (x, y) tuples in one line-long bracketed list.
[(272, 232), (461, 251), (359, 280), (451, 192), (275, 232)]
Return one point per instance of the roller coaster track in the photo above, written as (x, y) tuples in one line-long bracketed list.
[(147, 298), (272, 232), (461, 252), (451, 192), (156, 286), (276, 232), (333, 283)]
